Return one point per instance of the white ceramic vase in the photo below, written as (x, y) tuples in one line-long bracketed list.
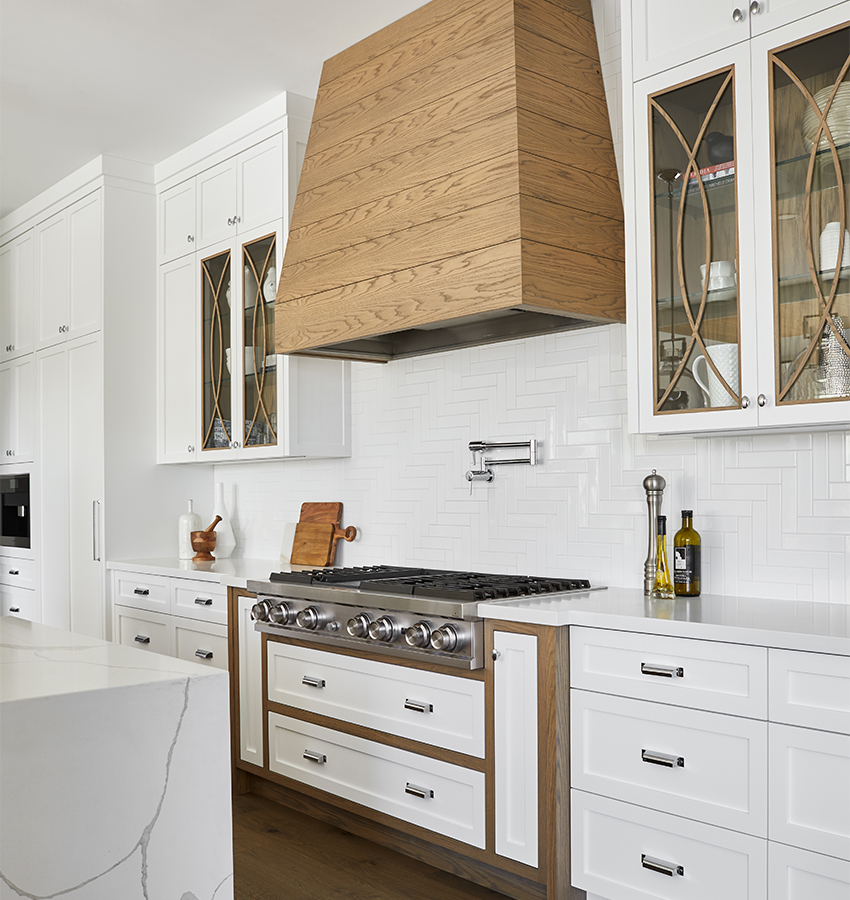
[(225, 542), (187, 523)]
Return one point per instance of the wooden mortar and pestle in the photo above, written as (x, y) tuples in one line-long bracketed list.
[(204, 541)]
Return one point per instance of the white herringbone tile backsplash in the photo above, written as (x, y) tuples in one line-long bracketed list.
[(773, 510)]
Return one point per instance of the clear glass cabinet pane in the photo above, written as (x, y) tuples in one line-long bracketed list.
[(695, 245), (260, 373), (215, 377), (810, 115)]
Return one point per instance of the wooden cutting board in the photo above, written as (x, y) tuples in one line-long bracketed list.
[(322, 513), (313, 544)]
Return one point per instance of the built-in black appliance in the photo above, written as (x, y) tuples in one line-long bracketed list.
[(395, 611), (15, 511)]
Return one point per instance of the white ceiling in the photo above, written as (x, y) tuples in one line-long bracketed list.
[(141, 79)]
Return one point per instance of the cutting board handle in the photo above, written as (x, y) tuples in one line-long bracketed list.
[(349, 534)]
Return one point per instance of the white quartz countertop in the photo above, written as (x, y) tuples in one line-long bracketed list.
[(38, 661), (229, 572), (788, 624)]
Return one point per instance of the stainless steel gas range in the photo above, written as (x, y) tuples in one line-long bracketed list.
[(425, 614)]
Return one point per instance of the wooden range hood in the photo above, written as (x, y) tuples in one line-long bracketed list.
[(459, 187)]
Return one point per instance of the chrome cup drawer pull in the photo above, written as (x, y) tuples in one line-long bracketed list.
[(417, 706), (662, 759), (662, 671), (203, 601), (659, 865), (313, 682), (142, 639), (14, 571), (204, 654), (420, 792), (142, 592), (311, 755)]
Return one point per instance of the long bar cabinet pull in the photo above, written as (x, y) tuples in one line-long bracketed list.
[(311, 755), (313, 682), (662, 671), (418, 706), (659, 865), (662, 759), (95, 530), (420, 792)]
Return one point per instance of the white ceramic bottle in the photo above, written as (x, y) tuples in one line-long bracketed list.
[(225, 542), (187, 523)]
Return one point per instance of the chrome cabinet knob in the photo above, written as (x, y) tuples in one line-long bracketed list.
[(383, 629), (190, 448), (745, 402), (755, 8), (190, 238), (737, 15), (762, 400), (418, 635), (358, 626), (445, 639), (496, 654)]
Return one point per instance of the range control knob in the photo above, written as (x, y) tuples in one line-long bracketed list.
[(358, 626), (445, 639), (418, 635), (383, 629), (280, 614), (260, 610), (310, 617)]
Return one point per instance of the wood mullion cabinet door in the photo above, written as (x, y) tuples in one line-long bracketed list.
[(714, 223), (804, 362)]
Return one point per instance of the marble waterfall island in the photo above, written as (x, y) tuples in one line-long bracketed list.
[(114, 771)]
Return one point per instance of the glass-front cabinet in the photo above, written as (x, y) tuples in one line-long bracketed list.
[(742, 237)]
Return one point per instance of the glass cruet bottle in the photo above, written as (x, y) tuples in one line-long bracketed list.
[(663, 588)]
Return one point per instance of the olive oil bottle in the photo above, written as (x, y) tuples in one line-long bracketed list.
[(663, 589), (687, 552)]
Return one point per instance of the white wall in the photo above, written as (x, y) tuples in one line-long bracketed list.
[(773, 510)]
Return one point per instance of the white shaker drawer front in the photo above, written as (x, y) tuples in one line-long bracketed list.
[(151, 592), (701, 765), (201, 643), (727, 678), (203, 600), (18, 572), (143, 629), (810, 789), (795, 874), (442, 710), (624, 852), (810, 689), (21, 603), (436, 795)]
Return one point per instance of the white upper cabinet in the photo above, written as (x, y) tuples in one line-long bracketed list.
[(177, 221), (739, 307), (69, 272), (17, 296), (17, 396), (666, 34), (215, 204)]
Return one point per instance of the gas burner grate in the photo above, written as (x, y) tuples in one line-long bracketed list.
[(470, 586), (344, 575)]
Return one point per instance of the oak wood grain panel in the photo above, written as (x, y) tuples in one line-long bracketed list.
[(561, 59), (479, 871), (474, 674), (562, 144), (458, 286), (444, 196), (592, 287), (480, 226), (553, 18), (549, 98), (572, 229), (570, 186), (472, 105), (443, 156), (406, 28), (438, 60), (379, 737), (239, 784)]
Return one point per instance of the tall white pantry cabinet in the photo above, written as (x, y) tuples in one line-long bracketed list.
[(96, 489)]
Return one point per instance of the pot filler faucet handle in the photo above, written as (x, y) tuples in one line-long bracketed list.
[(484, 472)]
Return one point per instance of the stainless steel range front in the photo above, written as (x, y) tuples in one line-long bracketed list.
[(427, 614)]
